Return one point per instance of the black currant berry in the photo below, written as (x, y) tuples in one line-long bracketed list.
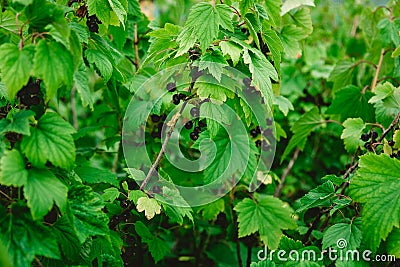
[(267, 132), (195, 111), (373, 134), (124, 204), (269, 121), (194, 136), (92, 23), (171, 87), (175, 99), (253, 133), (365, 137), (367, 145), (197, 129), (247, 82), (258, 129), (244, 30), (189, 125), (265, 146), (391, 143), (202, 124), (154, 134), (182, 96), (194, 54), (155, 118), (258, 143)]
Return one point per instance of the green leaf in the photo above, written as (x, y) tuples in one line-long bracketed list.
[(224, 164), (208, 87), (377, 186), (67, 239), (25, 238), (100, 8), (19, 122), (214, 62), (215, 115), (157, 247), (396, 139), (289, 5), (290, 36), (150, 207), (211, 211), (393, 243), (396, 52), (231, 49), (92, 175), (16, 66), (50, 140), (102, 63), (341, 75), (318, 197), (86, 211), (334, 179), (42, 190), (53, 64), (7, 22), (81, 81), (302, 129), (268, 216), (352, 131), (283, 104), (244, 6), (110, 194), (273, 10), (350, 232), (202, 25), (388, 96), (12, 169), (356, 104), (119, 10), (262, 72), (253, 25), (274, 43), (60, 31)]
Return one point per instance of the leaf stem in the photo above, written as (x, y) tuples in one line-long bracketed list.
[(391, 126), (136, 46), (286, 172), (378, 70), (171, 124)]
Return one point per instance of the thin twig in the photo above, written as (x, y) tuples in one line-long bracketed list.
[(7, 196), (391, 126), (286, 172), (378, 70), (136, 45), (171, 124)]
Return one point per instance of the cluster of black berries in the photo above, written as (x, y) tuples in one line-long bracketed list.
[(201, 124), (251, 89), (194, 54), (30, 94), (367, 136), (125, 215), (158, 122), (267, 134), (176, 98), (92, 22)]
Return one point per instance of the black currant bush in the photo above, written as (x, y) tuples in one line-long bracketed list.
[(204, 133)]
